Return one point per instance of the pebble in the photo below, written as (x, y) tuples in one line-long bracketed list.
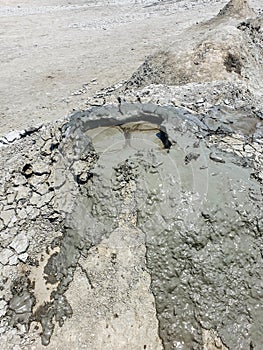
[(12, 136), (5, 255), (3, 305), (23, 257), (13, 260), (216, 158), (20, 243), (1, 225), (7, 215)]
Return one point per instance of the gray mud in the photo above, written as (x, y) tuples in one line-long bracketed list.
[(200, 210)]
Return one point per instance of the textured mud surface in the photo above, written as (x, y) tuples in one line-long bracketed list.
[(200, 210), (137, 222), (165, 171)]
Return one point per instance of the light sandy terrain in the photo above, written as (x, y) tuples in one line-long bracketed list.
[(49, 49)]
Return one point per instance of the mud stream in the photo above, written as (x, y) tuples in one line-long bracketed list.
[(199, 208)]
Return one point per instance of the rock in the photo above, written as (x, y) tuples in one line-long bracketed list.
[(5, 255), (23, 192), (1, 225), (20, 243), (30, 130), (216, 158), (3, 306), (11, 198), (7, 216), (191, 156), (236, 8), (23, 257), (21, 213), (57, 178), (12, 136), (13, 260), (35, 199), (3, 141), (45, 199), (46, 150), (79, 167), (32, 212), (40, 168), (19, 180)]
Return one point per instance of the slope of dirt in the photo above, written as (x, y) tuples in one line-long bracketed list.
[(224, 48)]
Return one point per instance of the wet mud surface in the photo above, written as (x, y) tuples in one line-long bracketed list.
[(202, 219), (188, 182), (200, 210)]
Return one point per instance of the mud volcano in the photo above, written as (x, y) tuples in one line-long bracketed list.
[(122, 203), (160, 170)]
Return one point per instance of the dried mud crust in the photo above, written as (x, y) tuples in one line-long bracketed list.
[(162, 178)]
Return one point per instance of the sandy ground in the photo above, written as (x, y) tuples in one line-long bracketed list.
[(50, 49)]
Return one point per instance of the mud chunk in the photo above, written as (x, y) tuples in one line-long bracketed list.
[(20, 243), (3, 307), (23, 257), (5, 255), (20, 307), (191, 156), (12, 136), (232, 63), (7, 216)]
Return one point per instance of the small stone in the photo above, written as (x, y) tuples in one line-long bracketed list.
[(11, 198), (12, 136), (20, 243), (35, 199), (27, 170), (43, 200), (23, 257), (21, 213), (216, 158), (13, 260), (19, 180), (3, 307), (40, 168), (5, 255), (7, 216), (200, 101), (23, 192)]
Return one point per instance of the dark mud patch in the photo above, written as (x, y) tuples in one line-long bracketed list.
[(233, 63)]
